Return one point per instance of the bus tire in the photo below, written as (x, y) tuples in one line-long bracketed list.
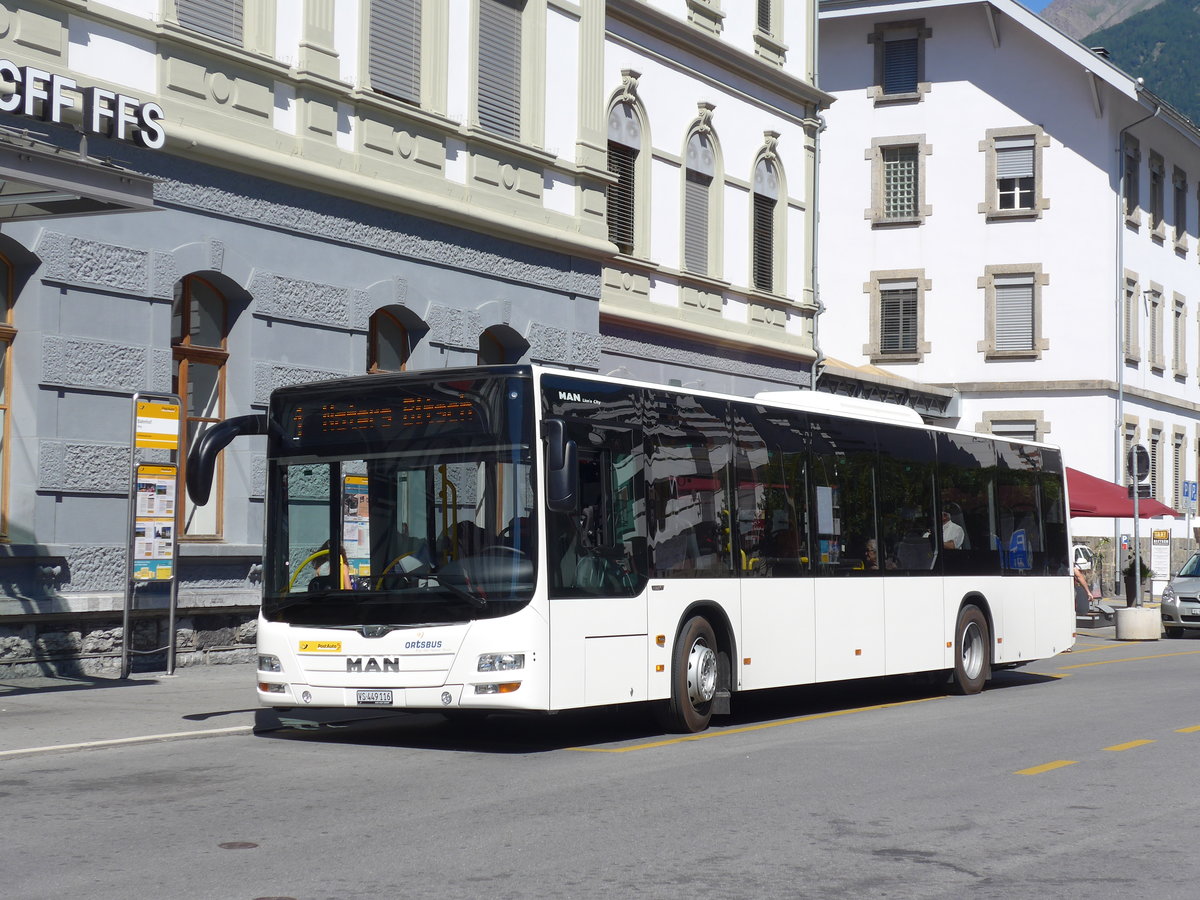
[(972, 651), (693, 678)]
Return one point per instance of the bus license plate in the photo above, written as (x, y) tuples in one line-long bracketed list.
[(374, 698)]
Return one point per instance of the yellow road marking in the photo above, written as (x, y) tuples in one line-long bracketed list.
[(1047, 767), (1092, 648), (1128, 745), (1189, 730), (1105, 662), (704, 735)]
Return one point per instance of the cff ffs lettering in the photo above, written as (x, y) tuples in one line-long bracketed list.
[(44, 95)]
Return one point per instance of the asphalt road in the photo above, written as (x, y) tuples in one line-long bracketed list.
[(1072, 778)]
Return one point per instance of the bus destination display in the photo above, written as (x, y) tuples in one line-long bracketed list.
[(340, 419)]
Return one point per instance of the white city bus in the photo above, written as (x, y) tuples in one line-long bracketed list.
[(525, 538)]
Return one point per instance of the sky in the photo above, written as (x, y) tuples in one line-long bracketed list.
[(1035, 5)]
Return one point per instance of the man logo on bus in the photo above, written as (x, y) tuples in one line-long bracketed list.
[(574, 397), (372, 665)]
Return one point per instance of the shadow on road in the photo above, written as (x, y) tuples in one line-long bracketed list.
[(509, 733)]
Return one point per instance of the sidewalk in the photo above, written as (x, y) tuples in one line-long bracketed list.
[(197, 701)]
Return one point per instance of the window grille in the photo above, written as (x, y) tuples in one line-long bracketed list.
[(901, 189)]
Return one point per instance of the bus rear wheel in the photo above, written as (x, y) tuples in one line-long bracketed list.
[(693, 678), (972, 645)]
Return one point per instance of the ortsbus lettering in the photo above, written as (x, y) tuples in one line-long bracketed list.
[(28, 91)]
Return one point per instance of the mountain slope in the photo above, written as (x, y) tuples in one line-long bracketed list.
[(1161, 45), (1083, 17)]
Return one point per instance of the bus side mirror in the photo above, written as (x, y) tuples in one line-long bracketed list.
[(202, 460), (562, 468)]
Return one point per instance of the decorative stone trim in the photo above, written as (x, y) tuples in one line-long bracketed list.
[(78, 261), (1036, 416), (455, 328), (348, 222), (878, 38), (706, 15), (270, 376), (989, 207), (83, 468), (873, 290), (292, 299), (987, 283), (876, 214), (74, 362)]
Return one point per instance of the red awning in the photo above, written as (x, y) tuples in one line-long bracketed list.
[(1096, 498)]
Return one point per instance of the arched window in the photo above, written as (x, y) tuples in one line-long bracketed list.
[(389, 343), (700, 170), (7, 333), (198, 333), (501, 344), (624, 146), (763, 238)]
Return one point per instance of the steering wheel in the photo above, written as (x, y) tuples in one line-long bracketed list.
[(408, 576), (312, 558)]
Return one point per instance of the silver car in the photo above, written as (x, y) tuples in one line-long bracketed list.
[(1181, 599)]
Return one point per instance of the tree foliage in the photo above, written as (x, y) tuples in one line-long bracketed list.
[(1161, 45)]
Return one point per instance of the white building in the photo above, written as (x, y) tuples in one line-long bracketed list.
[(974, 235)]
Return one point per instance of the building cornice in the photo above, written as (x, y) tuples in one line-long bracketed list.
[(715, 52), (1084, 386), (185, 140)]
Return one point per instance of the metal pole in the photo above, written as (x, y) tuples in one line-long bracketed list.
[(1136, 600)]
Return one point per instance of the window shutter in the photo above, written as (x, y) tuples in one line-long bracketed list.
[(1014, 159), (1014, 314), (622, 161), (695, 222), (764, 16), (900, 66), (1015, 429), (898, 319), (764, 243), (395, 51), (500, 66), (220, 19)]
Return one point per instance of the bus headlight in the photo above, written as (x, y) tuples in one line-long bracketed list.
[(269, 663), (500, 662)]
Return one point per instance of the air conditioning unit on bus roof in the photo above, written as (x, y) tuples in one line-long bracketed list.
[(854, 407)]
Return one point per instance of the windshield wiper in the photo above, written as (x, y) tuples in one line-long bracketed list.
[(476, 600)]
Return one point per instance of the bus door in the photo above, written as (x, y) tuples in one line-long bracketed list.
[(777, 646), (849, 588), (596, 571)]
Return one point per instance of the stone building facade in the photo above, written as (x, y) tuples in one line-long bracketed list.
[(216, 199)]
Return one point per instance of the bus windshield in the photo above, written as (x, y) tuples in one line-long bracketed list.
[(414, 507)]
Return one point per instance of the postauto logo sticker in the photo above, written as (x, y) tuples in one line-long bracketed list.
[(320, 646)]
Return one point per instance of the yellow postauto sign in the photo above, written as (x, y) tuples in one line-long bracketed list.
[(320, 646)]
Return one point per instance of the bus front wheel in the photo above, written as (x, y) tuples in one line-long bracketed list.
[(693, 678), (972, 663)]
